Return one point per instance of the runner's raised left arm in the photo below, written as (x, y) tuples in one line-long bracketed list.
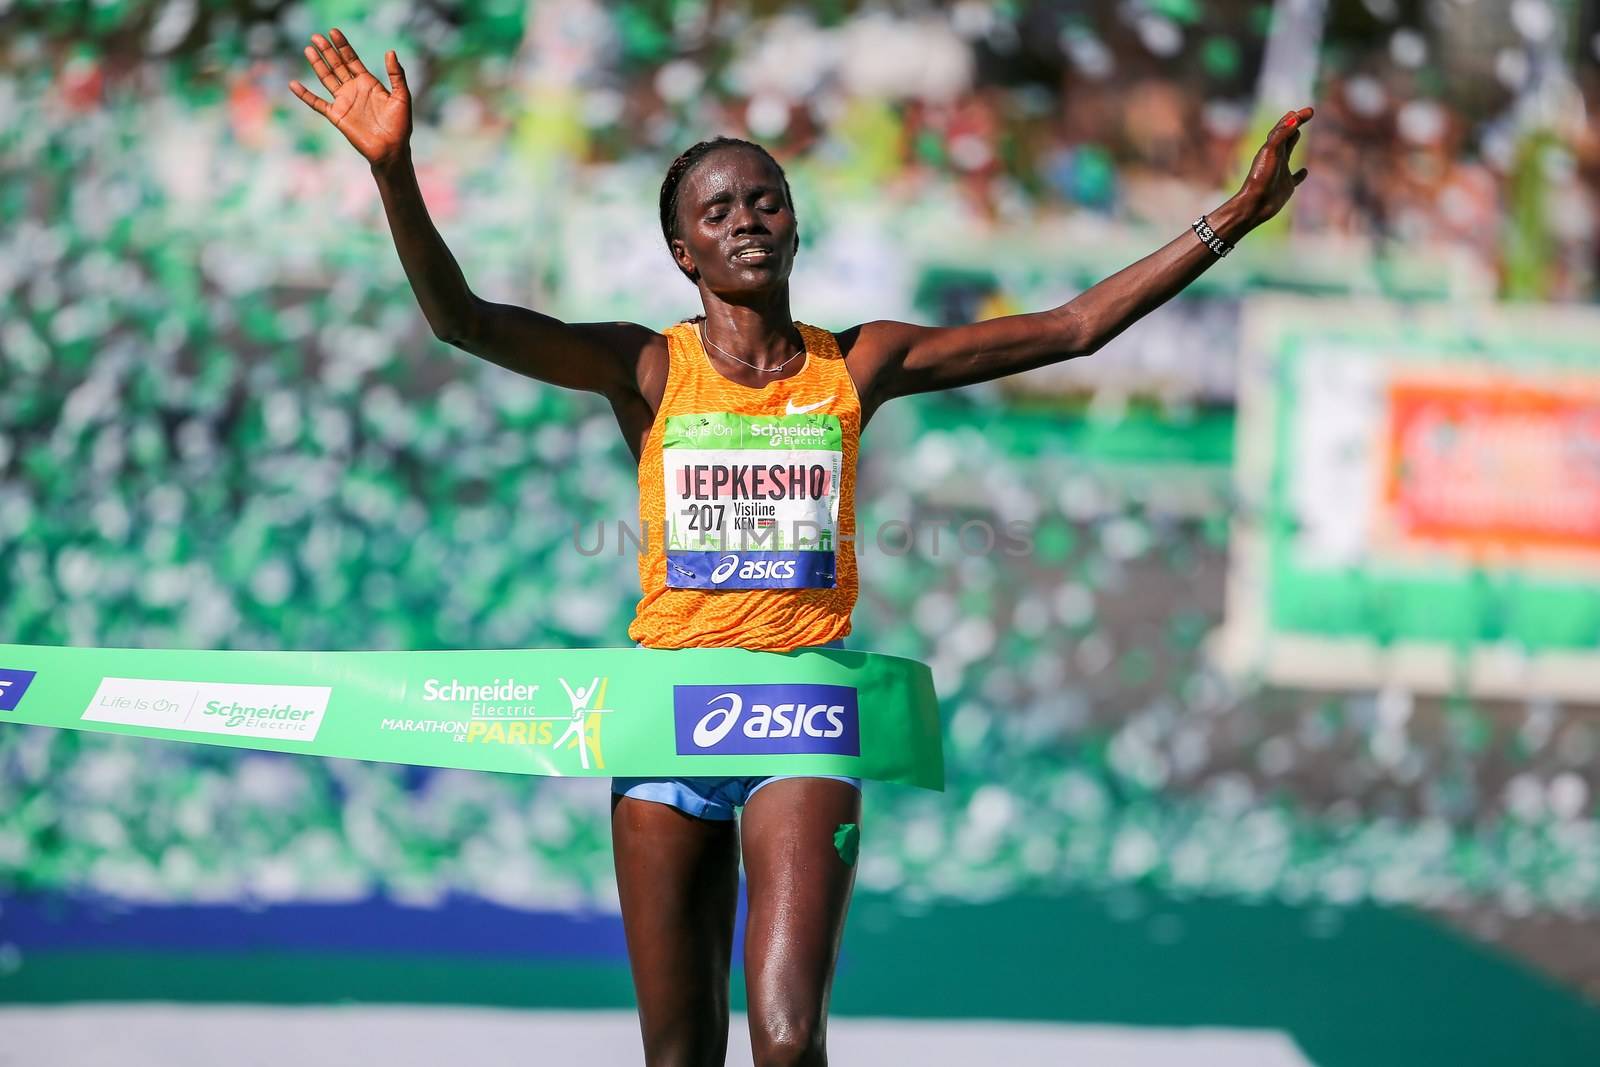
[(889, 359)]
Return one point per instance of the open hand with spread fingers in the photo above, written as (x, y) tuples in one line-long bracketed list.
[(1270, 184), (376, 120)]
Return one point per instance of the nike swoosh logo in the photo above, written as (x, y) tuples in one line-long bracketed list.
[(790, 409)]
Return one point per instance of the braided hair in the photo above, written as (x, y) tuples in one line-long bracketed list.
[(673, 182)]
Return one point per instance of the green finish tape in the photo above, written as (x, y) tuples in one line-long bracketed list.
[(598, 712)]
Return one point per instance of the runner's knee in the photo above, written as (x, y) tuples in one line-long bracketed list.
[(780, 1041), (683, 1046)]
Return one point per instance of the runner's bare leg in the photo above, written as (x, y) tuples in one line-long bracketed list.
[(678, 877), (799, 890)]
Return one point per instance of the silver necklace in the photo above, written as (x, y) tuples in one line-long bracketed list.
[(752, 366)]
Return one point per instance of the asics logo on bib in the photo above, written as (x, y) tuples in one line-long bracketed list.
[(778, 719), (790, 408), (752, 569)]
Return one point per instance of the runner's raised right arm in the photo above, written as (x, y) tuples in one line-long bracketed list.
[(596, 357)]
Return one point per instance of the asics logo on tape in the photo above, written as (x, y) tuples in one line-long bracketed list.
[(718, 722), (789, 407), (796, 719), (766, 719)]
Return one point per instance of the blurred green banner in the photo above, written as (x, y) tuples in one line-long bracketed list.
[(1424, 499)]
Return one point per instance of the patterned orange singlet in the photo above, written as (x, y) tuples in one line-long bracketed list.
[(747, 504)]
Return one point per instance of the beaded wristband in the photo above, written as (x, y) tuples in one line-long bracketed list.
[(1208, 237)]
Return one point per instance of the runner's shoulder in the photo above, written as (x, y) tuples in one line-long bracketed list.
[(640, 351), (627, 339), (873, 340)]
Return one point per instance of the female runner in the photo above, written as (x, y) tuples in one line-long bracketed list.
[(729, 223)]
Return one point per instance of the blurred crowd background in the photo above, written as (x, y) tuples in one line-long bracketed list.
[(1460, 126), (224, 423)]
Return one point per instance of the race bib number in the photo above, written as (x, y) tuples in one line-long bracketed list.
[(752, 500)]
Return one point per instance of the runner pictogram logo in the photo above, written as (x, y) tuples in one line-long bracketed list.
[(582, 731)]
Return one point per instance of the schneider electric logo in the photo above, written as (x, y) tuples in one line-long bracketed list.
[(502, 711), (284, 712), (776, 719), (779, 435), (751, 569), (262, 719), (13, 684)]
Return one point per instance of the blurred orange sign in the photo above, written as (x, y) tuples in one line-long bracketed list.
[(1495, 464)]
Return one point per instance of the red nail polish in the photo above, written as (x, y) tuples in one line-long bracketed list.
[(1291, 122)]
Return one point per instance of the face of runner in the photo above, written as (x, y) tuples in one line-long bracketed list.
[(736, 229)]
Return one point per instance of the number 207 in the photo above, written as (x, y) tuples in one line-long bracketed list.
[(705, 516)]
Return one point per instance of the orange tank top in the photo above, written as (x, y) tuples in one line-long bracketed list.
[(747, 504)]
